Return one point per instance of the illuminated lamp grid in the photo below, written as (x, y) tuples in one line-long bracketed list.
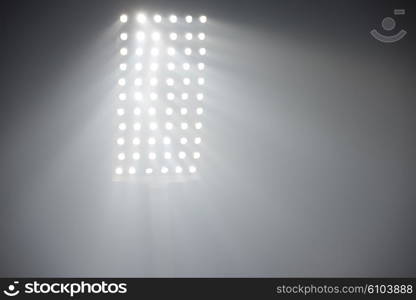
[(159, 111)]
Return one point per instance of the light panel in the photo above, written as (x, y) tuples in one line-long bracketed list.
[(161, 87)]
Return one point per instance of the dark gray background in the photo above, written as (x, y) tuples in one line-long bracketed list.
[(309, 166)]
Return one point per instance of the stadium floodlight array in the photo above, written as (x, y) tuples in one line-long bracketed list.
[(160, 95)]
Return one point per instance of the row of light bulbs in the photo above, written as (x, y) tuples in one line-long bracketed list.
[(156, 36), (164, 170), (143, 18)]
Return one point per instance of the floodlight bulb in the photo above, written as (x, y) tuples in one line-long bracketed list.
[(153, 81), (170, 96), (132, 170), (122, 126), (157, 18), (192, 169), (154, 51), (151, 111), (169, 111), (153, 126), (121, 156), (201, 66), (197, 140), (186, 81), (199, 111), (119, 170), (201, 81), (167, 155), (188, 36), (137, 126), (202, 51), (122, 82), (184, 111), (156, 36), (139, 51), (173, 36), (184, 96), (136, 141), (164, 170), (184, 126), (120, 141), (120, 111), (138, 96), (122, 96), (182, 155), (171, 51), (151, 141), (183, 140), (186, 66), (152, 156), (124, 18), (123, 67), (196, 155), (188, 19), (173, 18), (140, 35), (123, 36), (166, 140), (188, 51), (154, 66), (199, 96), (171, 66), (136, 155), (123, 51), (137, 111), (198, 125), (138, 66), (201, 36), (148, 171), (169, 126), (141, 18), (203, 19), (169, 82), (178, 170)]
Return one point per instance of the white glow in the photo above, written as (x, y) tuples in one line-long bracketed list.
[(120, 141), (119, 170), (148, 171), (153, 81), (188, 36), (140, 35), (184, 96), (121, 156), (201, 36), (123, 51), (199, 96), (138, 96), (122, 126), (203, 19), (171, 51), (188, 51), (173, 36), (170, 96), (153, 96), (201, 81), (173, 18), (136, 141), (170, 82), (198, 125), (136, 155), (192, 169), (151, 111), (169, 126), (183, 140), (186, 81), (202, 51), (171, 66), (141, 18), (184, 111), (182, 155), (122, 96), (137, 111), (166, 140), (197, 140), (178, 170), (124, 18), (184, 126), (188, 19), (122, 82), (201, 66), (186, 66), (138, 66), (156, 36), (138, 82), (154, 66), (196, 155), (132, 170), (167, 155), (120, 111), (199, 111), (169, 111), (123, 36), (137, 126), (164, 170), (139, 51), (151, 141), (123, 67), (154, 52), (153, 126), (157, 18), (152, 156)]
